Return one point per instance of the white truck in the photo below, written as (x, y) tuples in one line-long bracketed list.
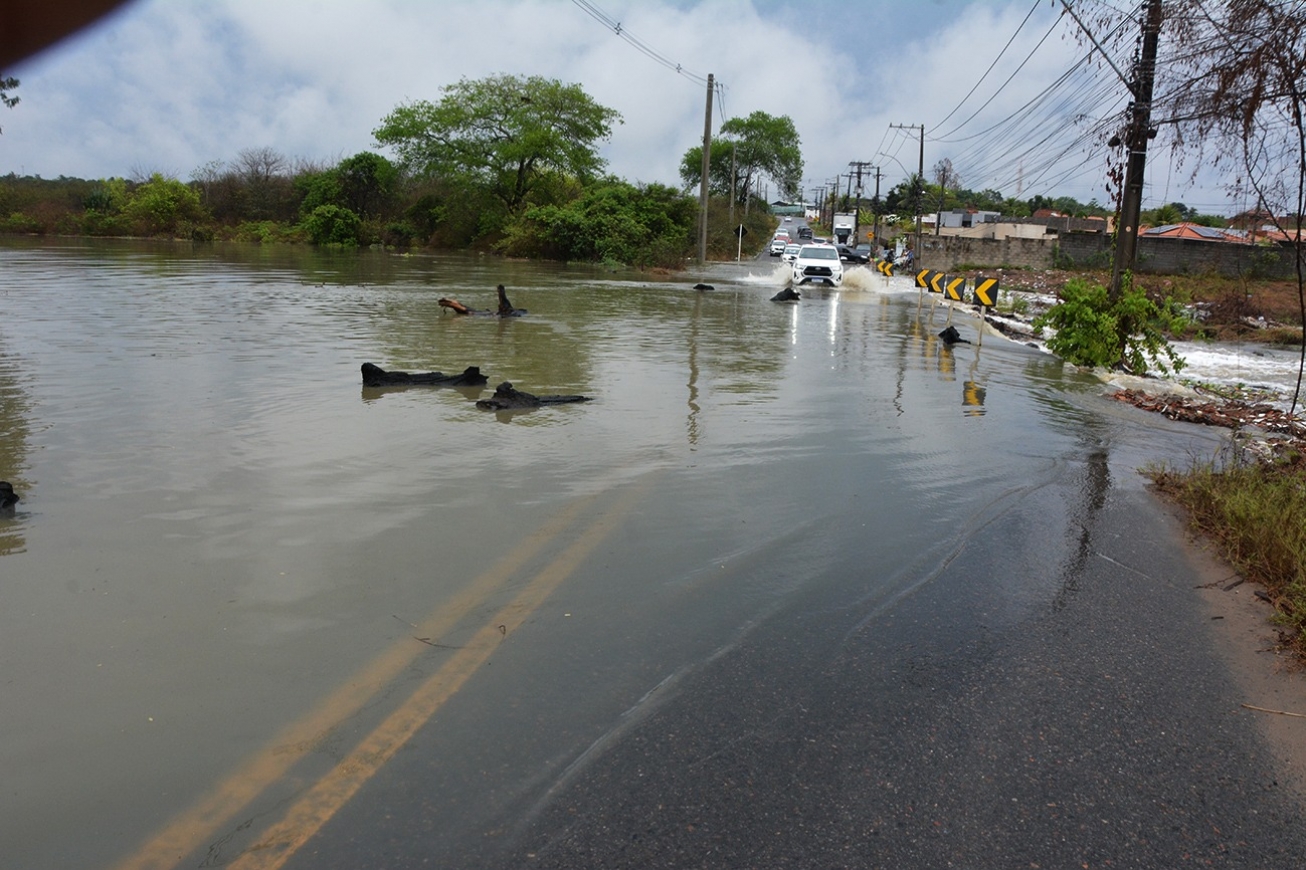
[(844, 227)]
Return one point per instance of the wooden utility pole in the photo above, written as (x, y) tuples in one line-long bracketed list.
[(1140, 130), (707, 158)]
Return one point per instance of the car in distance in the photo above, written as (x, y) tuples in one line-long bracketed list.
[(805, 233), (778, 246), (818, 263), (851, 255)]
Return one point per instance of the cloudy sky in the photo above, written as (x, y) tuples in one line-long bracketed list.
[(1002, 86)]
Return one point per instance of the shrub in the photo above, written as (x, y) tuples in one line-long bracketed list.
[(332, 225), (1128, 333), (161, 205)]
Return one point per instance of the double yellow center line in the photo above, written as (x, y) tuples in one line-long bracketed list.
[(314, 808)]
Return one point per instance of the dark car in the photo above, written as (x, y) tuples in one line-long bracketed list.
[(804, 232), (852, 255)]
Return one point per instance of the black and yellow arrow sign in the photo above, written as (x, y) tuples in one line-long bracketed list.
[(885, 267), (936, 282), (986, 292), (922, 278), (955, 286)]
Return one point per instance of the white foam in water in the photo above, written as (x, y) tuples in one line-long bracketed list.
[(1241, 365)]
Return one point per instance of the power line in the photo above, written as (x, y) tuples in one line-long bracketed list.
[(980, 80), (644, 48)]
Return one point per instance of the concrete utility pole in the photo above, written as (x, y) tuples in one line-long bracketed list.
[(707, 158), (875, 205), (859, 165), (920, 192), (1140, 130), (732, 185)]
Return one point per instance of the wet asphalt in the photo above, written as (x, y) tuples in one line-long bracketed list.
[(1103, 730)]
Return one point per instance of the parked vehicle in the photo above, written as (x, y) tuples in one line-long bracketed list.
[(818, 263), (844, 227)]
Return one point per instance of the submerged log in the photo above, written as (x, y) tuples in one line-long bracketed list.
[(375, 376), (506, 397), (458, 308), (788, 294), (704, 287), (505, 307), (8, 498)]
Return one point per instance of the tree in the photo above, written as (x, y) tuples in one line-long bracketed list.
[(1234, 93), (503, 132), (164, 205), (8, 84), (613, 221), (367, 181), (762, 145)]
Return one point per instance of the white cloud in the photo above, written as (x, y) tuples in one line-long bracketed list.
[(169, 86)]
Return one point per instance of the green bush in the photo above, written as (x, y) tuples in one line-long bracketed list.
[(162, 205), (1128, 333), (332, 225)]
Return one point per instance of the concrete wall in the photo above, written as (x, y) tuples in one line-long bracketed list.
[(945, 253), (1094, 250)]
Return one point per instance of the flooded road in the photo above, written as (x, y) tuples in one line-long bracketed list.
[(244, 596)]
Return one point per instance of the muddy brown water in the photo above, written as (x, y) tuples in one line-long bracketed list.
[(222, 529)]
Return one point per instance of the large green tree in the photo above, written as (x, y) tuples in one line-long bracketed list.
[(503, 132), (763, 146)]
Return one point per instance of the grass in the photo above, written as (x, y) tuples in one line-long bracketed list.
[(1255, 512), (1233, 309)]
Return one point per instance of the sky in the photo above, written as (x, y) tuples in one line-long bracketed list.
[(1002, 87)]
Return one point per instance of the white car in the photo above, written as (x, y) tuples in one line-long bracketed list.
[(778, 246), (818, 263), (791, 253)]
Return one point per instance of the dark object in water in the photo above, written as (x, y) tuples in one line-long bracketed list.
[(950, 336), (788, 294), (8, 498), (507, 398), (704, 287), (458, 308), (505, 307), (375, 376)]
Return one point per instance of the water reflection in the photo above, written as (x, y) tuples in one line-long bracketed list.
[(15, 427)]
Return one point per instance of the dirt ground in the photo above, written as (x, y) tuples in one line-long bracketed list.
[(1231, 308)]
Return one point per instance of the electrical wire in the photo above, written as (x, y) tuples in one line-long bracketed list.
[(644, 48)]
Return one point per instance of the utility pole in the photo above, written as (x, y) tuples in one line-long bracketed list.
[(703, 186), (1140, 130), (875, 205), (857, 220), (920, 187), (834, 202), (732, 187)]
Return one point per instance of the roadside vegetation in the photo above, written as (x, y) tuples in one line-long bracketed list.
[(1255, 512), (507, 164)]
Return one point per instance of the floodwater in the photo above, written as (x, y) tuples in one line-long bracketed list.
[(232, 562)]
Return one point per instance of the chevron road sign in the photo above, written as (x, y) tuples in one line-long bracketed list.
[(986, 292)]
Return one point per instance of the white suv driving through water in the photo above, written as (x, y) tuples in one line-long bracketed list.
[(818, 263)]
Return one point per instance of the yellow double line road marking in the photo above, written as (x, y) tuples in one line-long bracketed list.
[(307, 816)]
